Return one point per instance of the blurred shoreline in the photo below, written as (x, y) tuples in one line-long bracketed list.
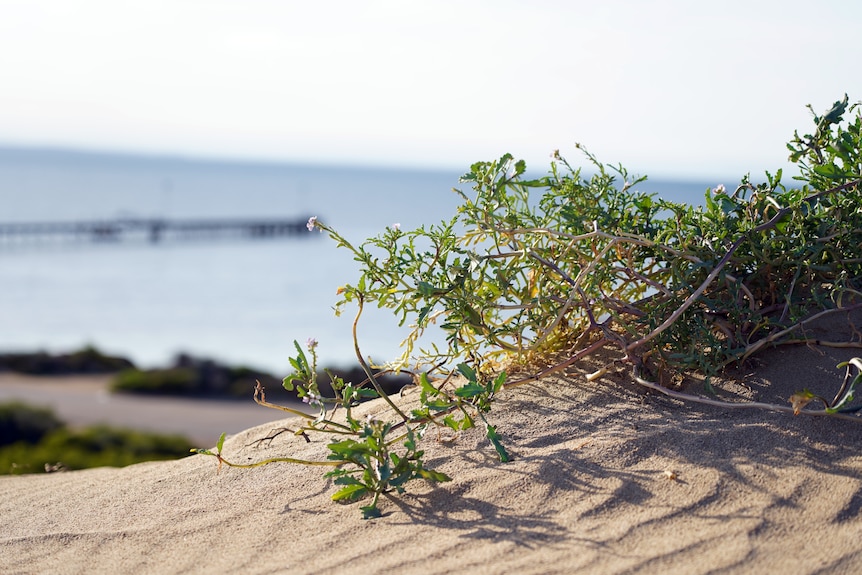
[(198, 398), (83, 400)]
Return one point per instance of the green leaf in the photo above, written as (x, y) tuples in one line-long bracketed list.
[(410, 444), (644, 203), (428, 290), (470, 390), (833, 116), (499, 381), (728, 206), (220, 443), (426, 385), (385, 472), (710, 202), (520, 167), (438, 404), (795, 156), (452, 423), (301, 359), (494, 437), (423, 313), (467, 371), (434, 475), (830, 171), (371, 512), (346, 448), (504, 159), (473, 318), (338, 472), (350, 493), (774, 181), (347, 480), (465, 422)]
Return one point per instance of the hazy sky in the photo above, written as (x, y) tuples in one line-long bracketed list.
[(669, 88)]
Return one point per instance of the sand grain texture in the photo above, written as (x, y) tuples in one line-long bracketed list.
[(588, 492)]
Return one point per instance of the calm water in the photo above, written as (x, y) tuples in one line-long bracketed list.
[(242, 302)]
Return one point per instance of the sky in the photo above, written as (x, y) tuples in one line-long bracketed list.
[(669, 88)]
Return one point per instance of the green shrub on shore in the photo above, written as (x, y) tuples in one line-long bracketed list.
[(174, 381), (194, 377), (22, 422), (34, 440), (84, 361)]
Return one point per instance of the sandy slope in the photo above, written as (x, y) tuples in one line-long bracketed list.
[(755, 492)]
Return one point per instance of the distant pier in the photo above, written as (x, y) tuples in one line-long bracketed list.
[(153, 230)]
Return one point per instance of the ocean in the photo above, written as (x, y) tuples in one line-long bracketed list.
[(239, 301)]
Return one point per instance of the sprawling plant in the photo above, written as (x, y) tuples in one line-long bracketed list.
[(543, 272)]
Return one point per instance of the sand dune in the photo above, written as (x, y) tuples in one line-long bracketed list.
[(588, 491)]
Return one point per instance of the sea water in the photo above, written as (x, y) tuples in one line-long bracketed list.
[(242, 302)]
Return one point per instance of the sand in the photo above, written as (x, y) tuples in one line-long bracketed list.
[(607, 478)]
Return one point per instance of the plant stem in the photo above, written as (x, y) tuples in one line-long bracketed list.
[(746, 405), (366, 368)]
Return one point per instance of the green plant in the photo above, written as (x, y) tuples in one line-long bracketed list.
[(85, 360), (174, 381), (25, 423), (539, 273), (364, 452), (843, 401), (34, 440), (192, 376)]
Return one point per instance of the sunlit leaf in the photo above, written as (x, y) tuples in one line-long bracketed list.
[(350, 493), (467, 371), (469, 390), (434, 475), (499, 381), (452, 423), (426, 385), (800, 399)]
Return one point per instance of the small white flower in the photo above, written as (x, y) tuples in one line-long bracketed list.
[(311, 343), (312, 222), (719, 189), (396, 226), (312, 399)]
